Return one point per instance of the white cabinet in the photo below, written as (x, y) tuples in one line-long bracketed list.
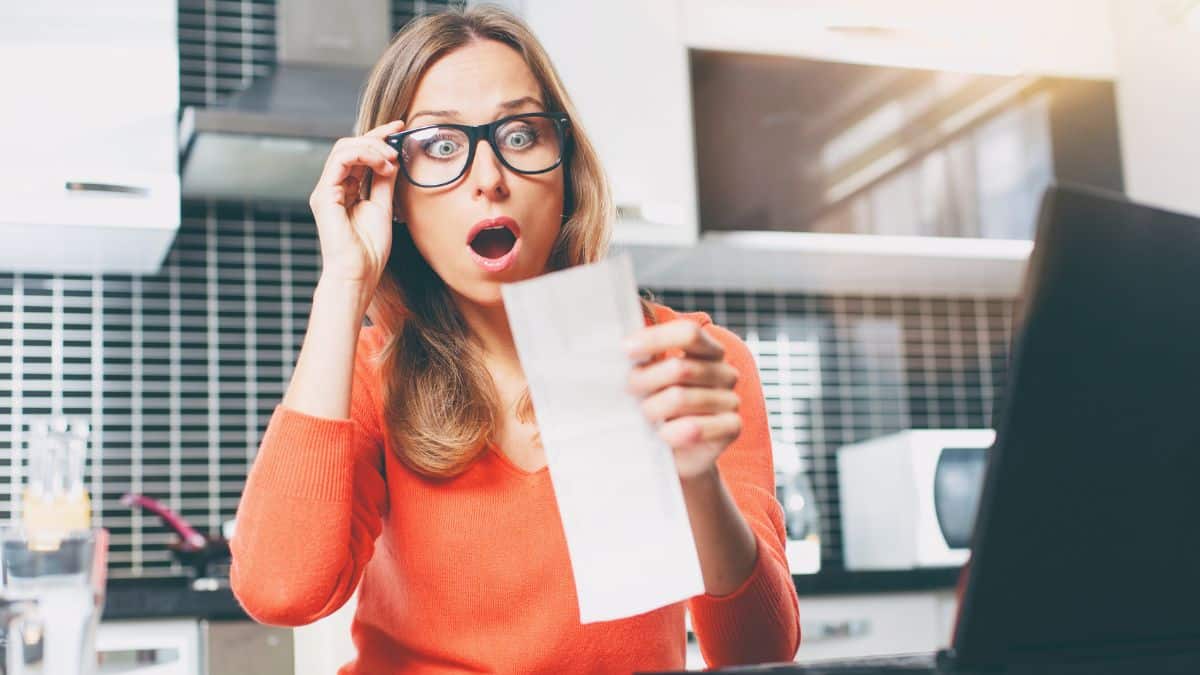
[(851, 626), (149, 647), (947, 602), (89, 180), (625, 66), (1018, 36), (325, 645)]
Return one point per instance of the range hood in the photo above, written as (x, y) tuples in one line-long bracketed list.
[(269, 142)]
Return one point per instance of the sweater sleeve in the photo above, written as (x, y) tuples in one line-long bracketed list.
[(760, 621), (311, 509)]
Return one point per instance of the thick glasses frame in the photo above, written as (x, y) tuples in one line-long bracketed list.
[(562, 125)]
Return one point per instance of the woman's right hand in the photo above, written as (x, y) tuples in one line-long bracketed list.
[(356, 233)]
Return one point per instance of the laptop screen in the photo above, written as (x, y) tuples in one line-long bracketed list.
[(1088, 535)]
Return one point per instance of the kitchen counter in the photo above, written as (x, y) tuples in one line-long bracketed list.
[(174, 597), (843, 582), (928, 664), (167, 597)]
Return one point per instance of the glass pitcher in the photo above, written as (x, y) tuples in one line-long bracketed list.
[(51, 596)]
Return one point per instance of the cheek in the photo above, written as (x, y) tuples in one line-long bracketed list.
[(434, 243), (547, 206)]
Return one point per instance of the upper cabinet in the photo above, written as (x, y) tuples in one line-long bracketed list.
[(1067, 38), (858, 146), (90, 180), (625, 67)]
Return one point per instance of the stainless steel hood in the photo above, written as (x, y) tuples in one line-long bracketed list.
[(269, 142)]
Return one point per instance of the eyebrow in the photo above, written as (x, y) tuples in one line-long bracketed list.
[(507, 105)]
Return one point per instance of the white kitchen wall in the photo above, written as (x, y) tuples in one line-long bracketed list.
[(1158, 96)]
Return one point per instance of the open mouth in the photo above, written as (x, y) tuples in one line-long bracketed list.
[(494, 242)]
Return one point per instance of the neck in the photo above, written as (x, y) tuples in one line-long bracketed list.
[(489, 323)]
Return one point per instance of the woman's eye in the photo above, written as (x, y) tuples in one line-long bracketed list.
[(520, 138), (440, 148)]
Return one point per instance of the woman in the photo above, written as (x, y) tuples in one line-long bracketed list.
[(405, 454)]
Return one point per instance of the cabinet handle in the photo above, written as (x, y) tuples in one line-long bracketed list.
[(82, 186), (656, 213), (835, 630)]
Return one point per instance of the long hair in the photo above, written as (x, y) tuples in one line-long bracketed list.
[(441, 406)]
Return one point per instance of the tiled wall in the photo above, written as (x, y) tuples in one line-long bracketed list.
[(178, 372), (838, 369)]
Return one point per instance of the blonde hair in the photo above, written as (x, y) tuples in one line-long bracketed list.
[(441, 406)]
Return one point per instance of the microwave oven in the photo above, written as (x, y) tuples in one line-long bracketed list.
[(908, 500)]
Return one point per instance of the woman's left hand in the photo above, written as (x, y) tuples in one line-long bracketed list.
[(690, 397)]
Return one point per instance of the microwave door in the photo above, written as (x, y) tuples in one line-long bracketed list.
[(957, 485)]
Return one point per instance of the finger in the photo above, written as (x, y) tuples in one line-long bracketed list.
[(387, 129), (680, 334), (690, 372), (685, 431), (675, 402), (344, 193), (344, 161)]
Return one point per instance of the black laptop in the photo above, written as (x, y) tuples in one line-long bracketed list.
[(1086, 547)]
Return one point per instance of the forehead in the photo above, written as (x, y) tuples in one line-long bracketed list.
[(474, 79)]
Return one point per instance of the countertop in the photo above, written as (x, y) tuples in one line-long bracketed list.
[(164, 597), (931, 664), (167, 597), (843, 582)]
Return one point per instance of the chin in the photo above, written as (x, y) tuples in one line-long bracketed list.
[(484, 294)]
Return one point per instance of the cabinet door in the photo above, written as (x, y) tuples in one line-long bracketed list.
[(625, 66), (89, 121), (325, 645), (149, 647), (947, 617), (848, 626), (987, 37), (241, 647)]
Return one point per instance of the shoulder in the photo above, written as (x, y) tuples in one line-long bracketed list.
[(736, 351)]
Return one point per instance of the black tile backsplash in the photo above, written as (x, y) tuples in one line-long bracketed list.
[(179, 371), (838, 369)]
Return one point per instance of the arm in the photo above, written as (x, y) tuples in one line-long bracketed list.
[(705, 397), (752, 617), (312, 505)]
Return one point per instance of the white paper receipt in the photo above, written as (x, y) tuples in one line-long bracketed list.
[(618, 492)]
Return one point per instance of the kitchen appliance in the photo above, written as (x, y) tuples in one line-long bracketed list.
[(50, 601), (53, 563), (885, 149), (801, 517), (908, 500), (270, 141)]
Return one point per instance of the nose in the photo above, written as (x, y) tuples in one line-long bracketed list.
[(487, 173)]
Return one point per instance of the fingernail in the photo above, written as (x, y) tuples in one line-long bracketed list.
[(631, 346)]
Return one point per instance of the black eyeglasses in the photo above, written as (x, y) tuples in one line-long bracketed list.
[(439, 154)]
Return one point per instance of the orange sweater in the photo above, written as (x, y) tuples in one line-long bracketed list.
[(472, 574)]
